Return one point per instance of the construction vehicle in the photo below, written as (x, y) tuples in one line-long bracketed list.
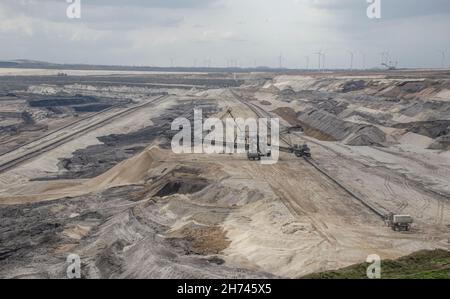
[(256, 156), (297, 149), (257, 153), (302, 150), (399, 222)]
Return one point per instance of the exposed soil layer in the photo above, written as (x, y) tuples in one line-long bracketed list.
[(441, 143), (432, 129), (353, 86), (204, 240), (95, 160), (291, 116), (100, 227), (142, 211), (184, 186), (63, 101)]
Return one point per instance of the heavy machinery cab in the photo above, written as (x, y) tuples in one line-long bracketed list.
[(399, 222), (302, 150), (254, 156), (257, 156)]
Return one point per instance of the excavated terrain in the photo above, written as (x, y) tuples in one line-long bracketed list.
[(87, 168)]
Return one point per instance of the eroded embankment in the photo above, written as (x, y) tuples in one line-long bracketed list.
[(370, 111), (168, 226), (96, 159), (327, 127)]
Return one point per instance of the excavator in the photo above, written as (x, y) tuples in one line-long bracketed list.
[(300, 150)]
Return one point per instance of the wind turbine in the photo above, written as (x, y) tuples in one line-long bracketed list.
[(323, 53), (363, 55), (352, 56), (443, 54), (384, 57), (280, 61), (319, 55), (307, 62), (323, 59)]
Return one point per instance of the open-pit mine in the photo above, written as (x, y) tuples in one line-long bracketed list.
[(87, 169)]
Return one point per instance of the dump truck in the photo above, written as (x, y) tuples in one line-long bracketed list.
[(399, 222), (302, 150)]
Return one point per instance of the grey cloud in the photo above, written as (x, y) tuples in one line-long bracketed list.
[(156, 3), (390, 8), (107, 15), (172, 4), (149, 32)]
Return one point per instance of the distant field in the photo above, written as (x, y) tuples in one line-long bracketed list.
[(421, 265), (54, 72)]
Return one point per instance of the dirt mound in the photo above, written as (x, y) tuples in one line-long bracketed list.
[(182, 186), (432, 129), (288, 114), (441, 143), (353, 86), (367, 136), (413, 87), (287, 91), (131, 171), (426, 110), (310, 126), (204, 240), (326, 126), (271, 88)]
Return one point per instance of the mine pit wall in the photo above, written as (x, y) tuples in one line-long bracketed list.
[(116, 220), (358, 111), (99, 226), (133, 231), (325, 126), (23, 122), (97, 159)]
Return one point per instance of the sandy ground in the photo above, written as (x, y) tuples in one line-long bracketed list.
[(300, 223), (286, 219)]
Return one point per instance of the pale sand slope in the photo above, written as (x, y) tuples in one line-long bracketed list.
[(131, 171), (300, 224), (308, 224), (17, 181)]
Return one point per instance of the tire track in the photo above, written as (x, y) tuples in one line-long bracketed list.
[(289, 201), (263, 113)]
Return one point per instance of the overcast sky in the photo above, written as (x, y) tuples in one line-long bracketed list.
[(252, 32)]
